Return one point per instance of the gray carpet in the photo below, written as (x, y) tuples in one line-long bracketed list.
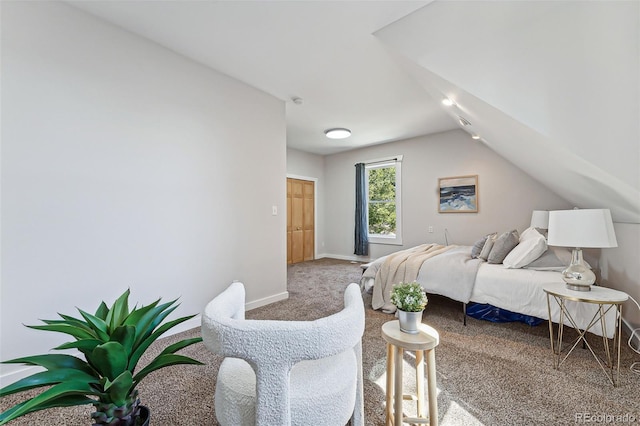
[(487, 373)]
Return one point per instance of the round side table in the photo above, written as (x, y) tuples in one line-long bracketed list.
[(607, 300), (397, 342)]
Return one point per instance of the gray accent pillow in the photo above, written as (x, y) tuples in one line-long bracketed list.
[(503, 245), (477, 247), (554, 259), (488, 245), (549, 261)]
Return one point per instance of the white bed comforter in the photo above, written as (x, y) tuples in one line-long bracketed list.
[(455, 275), (521, 291), (435, 275)]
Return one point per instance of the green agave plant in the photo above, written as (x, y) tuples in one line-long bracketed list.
[(112, 341)]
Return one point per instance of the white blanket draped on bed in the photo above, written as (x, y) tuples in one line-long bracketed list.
[(434, 266)]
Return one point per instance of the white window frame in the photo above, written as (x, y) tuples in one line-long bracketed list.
[(396, 161)]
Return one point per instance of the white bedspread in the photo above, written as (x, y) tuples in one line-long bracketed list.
[(436, 277), (455, 275), (520, 290)]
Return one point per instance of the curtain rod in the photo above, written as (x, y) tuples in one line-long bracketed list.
[(381, 160)]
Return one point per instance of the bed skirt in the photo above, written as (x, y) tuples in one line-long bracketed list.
[(492, 313)]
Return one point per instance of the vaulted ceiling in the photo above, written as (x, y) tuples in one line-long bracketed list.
[(554, 87)]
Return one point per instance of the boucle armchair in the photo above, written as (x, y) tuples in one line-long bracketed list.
[(281, 373)]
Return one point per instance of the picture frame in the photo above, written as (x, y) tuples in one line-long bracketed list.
[(458, 194)]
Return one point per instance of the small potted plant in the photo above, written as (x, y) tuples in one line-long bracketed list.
[(410, 299), (112, 342)]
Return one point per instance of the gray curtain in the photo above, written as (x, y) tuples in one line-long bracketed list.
[(361, 229)]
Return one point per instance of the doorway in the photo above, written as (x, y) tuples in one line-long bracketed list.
[(300, 220)]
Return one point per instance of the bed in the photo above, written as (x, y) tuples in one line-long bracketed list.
[(459, 273)]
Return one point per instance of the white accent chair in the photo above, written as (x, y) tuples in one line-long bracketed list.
[(281, 373)]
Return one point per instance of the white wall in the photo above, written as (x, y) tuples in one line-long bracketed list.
[(303, 165), (126, 165), (507, 196), (620, 269)]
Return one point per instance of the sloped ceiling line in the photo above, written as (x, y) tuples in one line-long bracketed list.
[(580, 152)]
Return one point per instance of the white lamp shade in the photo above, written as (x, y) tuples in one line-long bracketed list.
[(540, 219), (583, 228)]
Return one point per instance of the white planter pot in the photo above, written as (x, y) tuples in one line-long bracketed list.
[(409, 321)]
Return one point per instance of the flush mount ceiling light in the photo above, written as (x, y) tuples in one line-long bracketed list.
[(337, 133)]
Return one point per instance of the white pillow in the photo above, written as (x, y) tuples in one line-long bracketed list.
[(529, 249), (530, 233)]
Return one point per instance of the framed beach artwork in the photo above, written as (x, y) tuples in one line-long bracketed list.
[(458, 194)]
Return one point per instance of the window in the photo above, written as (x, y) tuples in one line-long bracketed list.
[(383, 201)]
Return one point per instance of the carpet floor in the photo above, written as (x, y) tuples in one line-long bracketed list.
[(488, 373)]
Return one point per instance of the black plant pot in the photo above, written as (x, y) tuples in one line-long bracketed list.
[(144, 417), (141, 419)]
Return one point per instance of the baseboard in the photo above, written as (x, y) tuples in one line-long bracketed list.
[(266, 301), (359, 259), (628, 328), (24, 371), (15, 375)]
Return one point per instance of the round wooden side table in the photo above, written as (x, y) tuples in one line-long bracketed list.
[(423, 342)]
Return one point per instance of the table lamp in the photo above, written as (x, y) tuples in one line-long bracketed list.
[(580, 228), (540, 219)]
